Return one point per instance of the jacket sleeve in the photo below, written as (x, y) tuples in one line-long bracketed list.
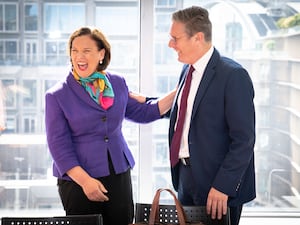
[(240, 120), (142, 112), (59, 136)]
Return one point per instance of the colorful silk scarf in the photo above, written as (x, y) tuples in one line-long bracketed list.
[(98, 87)]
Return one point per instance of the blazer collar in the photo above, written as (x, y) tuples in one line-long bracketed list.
[(207, 77), (80, 92)]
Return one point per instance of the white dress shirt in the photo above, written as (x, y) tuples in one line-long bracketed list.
[(199, 66)]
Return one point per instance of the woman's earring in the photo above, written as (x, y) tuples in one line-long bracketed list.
[(100, 62)]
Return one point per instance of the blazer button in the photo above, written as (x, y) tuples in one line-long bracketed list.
[(106, 139), (104, 119)]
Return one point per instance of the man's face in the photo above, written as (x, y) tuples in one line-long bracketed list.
[(184, 45)]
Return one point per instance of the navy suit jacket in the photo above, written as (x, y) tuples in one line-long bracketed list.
[(222, 131)]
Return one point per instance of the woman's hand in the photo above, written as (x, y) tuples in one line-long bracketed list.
[(94, 190), (164, 103), (140, 98)]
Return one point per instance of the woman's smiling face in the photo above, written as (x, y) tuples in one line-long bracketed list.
[(85, 55)]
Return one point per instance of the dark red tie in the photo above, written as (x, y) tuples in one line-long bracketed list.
[(176, 140)]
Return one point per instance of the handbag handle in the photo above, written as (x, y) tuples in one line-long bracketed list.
[(154, 213)]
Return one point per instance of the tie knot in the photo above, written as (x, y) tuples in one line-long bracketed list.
[(192, 68), (189, 75)]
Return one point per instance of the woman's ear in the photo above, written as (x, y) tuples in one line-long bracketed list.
[(101, 54)]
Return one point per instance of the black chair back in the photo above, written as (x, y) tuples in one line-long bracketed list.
[(168, 214), (95, 219)]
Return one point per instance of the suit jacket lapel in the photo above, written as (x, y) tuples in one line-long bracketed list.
[(207, 77)]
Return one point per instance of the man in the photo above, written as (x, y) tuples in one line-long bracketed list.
[(215, 163)]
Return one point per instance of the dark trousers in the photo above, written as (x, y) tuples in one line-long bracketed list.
[(118, 210), (189, 194)]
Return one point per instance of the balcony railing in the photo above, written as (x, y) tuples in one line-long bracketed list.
[(34, 60)]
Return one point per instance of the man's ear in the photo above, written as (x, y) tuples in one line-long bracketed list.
[(199, 36)]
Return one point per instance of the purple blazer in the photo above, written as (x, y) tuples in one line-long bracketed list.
[(81, 133)]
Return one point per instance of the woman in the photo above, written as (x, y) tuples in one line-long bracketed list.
[(84, 116)]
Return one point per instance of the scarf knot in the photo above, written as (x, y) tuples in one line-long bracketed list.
[(99, 88)]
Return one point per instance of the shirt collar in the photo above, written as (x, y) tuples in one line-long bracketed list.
[(201, 63)]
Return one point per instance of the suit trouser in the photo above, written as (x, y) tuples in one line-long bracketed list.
[(118, 210), (188, 194)]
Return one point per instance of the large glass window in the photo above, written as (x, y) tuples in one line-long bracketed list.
[(106, 17), (139, 33), (277, 142), (27, 184)]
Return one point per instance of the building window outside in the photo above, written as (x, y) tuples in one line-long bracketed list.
[(2, 52), (31, 17), (165, 3), (11, 124), (8, 17), (162, 20), (1, 17), (117, 20), (124, 54), (11, 49), (9, 90), (29, 124), (29, 94), (8, 51), (48, 84), (56, 52), (31, 52), (234, 37), (163, 54), (63, 17)]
